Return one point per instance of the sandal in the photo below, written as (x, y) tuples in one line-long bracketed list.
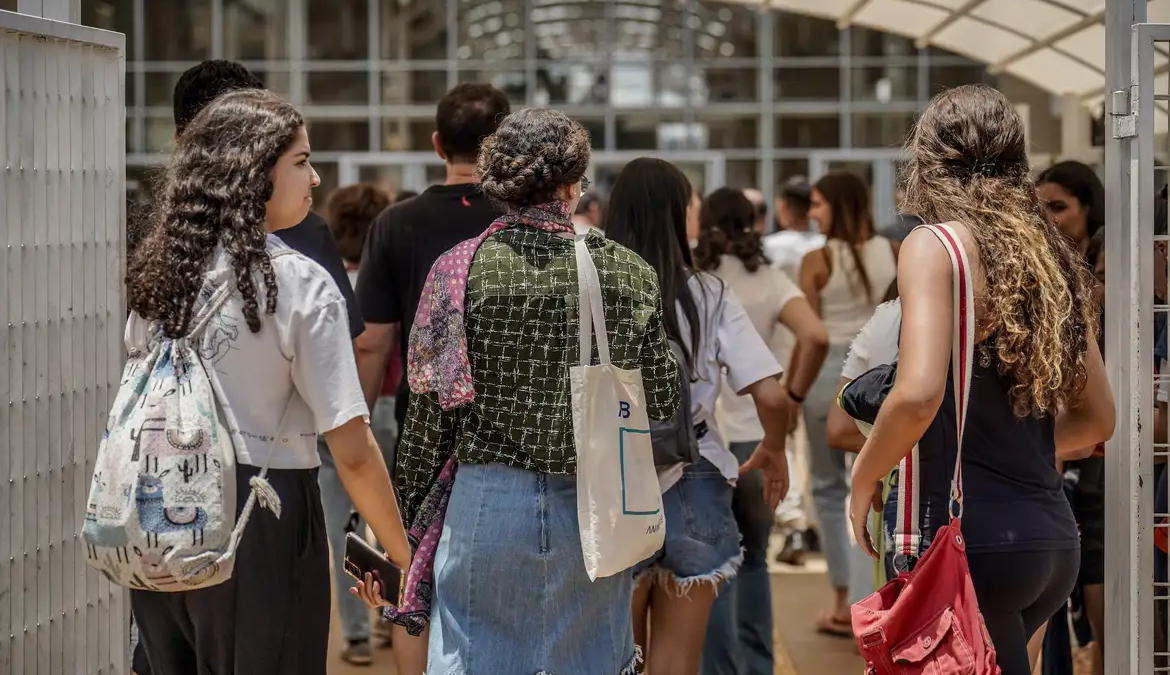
[(827, 624)]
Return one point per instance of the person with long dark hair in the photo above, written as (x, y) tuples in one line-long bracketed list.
[(489, 373), (280, 350), (1038, 384), (739, 632), (1074, 197), (844, 281), (653, 209)]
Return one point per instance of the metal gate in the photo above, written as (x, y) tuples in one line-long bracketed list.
[(62, 209)]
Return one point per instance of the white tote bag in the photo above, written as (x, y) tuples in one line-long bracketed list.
[(619, 506)]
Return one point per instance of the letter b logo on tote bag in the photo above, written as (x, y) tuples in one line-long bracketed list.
[(619, 505)]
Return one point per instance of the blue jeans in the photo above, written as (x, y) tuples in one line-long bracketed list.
[(355, 618), (511, 593), (739, 632)]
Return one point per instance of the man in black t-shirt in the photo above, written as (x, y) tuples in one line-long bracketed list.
[(407, 238), (201, 85)]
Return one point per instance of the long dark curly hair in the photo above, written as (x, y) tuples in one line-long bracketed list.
[(728, 221), (214, 192), (534, 153), (969, 164)]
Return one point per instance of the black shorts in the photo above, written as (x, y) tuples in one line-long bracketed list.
[(272, 616)]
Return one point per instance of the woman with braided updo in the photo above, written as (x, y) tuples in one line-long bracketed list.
[(273, 334), (490, 352)]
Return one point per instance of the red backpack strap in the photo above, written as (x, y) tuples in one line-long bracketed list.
[(907, 534)]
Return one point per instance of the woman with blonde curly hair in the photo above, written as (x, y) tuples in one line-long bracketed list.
[(493, 341), (1038, 383)]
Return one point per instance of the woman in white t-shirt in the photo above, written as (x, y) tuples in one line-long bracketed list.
[(280, 350), (844, 281), (740, 628), (653, 210)]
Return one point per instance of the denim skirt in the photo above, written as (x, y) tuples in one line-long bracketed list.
[(511, 593)]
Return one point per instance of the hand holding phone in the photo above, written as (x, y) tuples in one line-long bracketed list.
[(370, 567)]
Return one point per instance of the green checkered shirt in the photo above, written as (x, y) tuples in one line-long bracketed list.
[(522, 338)]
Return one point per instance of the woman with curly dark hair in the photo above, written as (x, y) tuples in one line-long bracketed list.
[(731, 248), (490, 353), (1038, 384), (279, 352)]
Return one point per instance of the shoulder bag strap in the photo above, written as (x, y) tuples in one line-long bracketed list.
[(590, 306), (907, 532)]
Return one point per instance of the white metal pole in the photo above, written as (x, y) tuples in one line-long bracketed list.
[(1130, 642)]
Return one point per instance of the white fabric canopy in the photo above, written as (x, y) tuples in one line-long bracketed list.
[(1058, 45)]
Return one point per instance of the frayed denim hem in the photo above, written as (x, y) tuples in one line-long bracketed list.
[(631, 667), (715, 578)]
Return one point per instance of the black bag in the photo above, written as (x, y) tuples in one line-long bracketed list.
[(863, 397), (676, 440)]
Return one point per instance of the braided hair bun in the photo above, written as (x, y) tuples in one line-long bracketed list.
[(533, 154)]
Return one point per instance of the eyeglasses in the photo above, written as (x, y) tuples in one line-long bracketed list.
[(584, 184)]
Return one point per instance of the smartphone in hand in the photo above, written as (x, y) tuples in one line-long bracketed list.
[(362, 559)]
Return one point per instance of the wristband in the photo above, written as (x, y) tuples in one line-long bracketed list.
[(794, 397)]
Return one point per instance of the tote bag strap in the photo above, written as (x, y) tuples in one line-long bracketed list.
[(907, 531), (590, 307)]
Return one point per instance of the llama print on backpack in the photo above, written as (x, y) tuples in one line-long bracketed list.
[(164, 480)]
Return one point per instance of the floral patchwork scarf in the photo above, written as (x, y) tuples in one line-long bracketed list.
[(437, 363)]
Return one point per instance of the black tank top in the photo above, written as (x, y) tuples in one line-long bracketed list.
[(1013, 495)]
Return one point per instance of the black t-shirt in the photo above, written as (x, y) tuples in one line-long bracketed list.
[(312, 238), (404, 242)]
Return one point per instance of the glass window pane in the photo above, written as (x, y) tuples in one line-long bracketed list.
[(725, 30), (574, 83), (338, 30), (8, 5), (177, 31), (327, 171), (160, 134), (160, 88), (808, 131), (648, 131), (882, 130), (731, 133), (388, 177), (797, 35), (648, 30), (512, 82), (805, 84), (868, 42), (596, 129), (491, 31), (947, 76), (571, 30), (413, 86), (256, 31), (726, 85), (331, 136), (412, 31), (790, 168), (399, 135), (662, 85), (351, 88), (741, 173), (115, 15), (885, 83)]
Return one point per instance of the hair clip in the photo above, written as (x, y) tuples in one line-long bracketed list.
[(987, 167)]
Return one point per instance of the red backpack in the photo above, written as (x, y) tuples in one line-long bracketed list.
[(927, 621)]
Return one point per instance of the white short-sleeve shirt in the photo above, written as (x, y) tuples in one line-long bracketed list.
[(728, 343), (877, 342), (302, 357), (763, 294)]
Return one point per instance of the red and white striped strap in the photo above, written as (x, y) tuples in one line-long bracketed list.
[(907, 535)]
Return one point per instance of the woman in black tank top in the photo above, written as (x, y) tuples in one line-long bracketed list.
[(1038, 383)]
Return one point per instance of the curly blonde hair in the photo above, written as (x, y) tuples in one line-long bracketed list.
[(968, 163)]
